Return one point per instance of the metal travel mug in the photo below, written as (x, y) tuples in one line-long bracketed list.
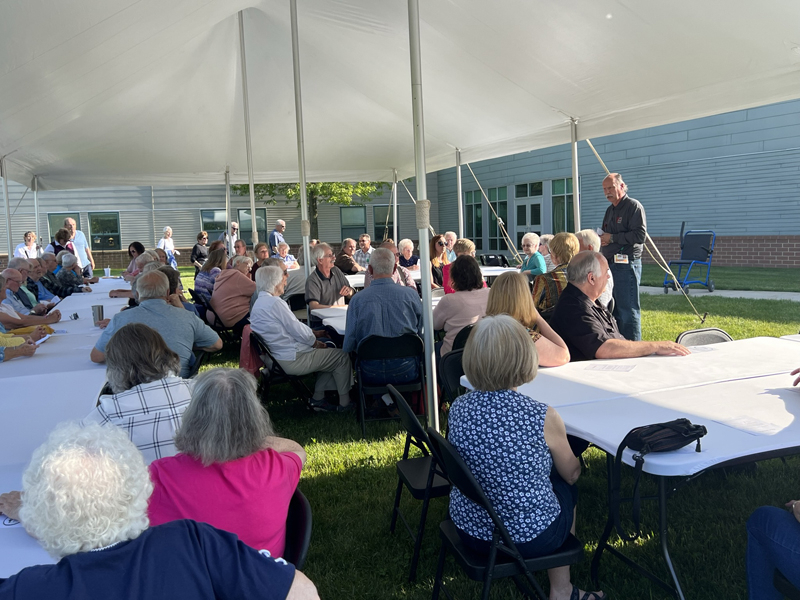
[(97, 313)]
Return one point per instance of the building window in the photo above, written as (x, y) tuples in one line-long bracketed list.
[(498, 198), (104, 231), (473, 218), (214, 222), (353, 220), (383, 219), (528, 200), (246, 225), (563, 215), (55, 221), (528, 190)]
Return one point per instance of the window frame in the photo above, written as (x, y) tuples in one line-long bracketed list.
[(352, 231), (213, 234), (266, 231), (118, 234), (64, 215)]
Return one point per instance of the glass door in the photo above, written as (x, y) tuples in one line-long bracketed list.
[(529, 219)]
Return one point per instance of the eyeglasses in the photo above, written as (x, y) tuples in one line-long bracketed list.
[(328, 256), (440, 243), (205, 237)]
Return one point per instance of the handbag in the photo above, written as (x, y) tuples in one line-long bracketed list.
[(659, 437)]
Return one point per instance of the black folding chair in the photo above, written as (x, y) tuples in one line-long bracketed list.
[(461, 338), (503, 560), (422, 475), (210, 317), (199, 358), (784, 586), (494, 260), (702, 337), (376, 347), (298, 530), (450, 372), (297, 304), (273, 373)]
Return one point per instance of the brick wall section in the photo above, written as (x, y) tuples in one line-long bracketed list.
[(740, 251)]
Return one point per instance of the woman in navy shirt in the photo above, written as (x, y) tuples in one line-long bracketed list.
[(407, 259), (535, 493)]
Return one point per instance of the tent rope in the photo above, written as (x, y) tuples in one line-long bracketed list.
[(20, 201), (433, 232), (663, 265), (506, 238)]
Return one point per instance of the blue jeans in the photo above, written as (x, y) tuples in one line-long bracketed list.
[(394, 371), (773, 541), (626, 298)]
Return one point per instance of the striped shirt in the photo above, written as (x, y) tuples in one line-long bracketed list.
[(150, 413)]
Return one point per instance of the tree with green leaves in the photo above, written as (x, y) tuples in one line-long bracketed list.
[(332, 192)]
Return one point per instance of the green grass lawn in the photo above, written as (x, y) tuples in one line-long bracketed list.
[(735, 278), (350, 484)]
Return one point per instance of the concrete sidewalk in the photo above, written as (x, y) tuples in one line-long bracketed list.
[(701, 291)]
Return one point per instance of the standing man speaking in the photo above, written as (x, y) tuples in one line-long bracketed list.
[(624, 233)]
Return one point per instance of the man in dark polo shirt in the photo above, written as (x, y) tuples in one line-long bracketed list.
[(326, 285), (625, 231), (589, 330)]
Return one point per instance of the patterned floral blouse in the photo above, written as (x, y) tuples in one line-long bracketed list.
[(500, 435)]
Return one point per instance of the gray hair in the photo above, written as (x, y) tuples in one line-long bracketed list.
[(582, 264), (48, 256), (267, 278), (240, 259), (152, 266), (144, 258), (60, 256), (533, 238), (167, 228), (153, 284), (499, 355), (225, 420), (545, 239), (69, 261), (587, 237), (137, 354), (382, 261), (280, 222), (85, 488), (17, 262), (403, 243), (273, 262), (318, 251), (283, 245)]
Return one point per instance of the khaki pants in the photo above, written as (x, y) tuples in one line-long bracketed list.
[(331, 365)]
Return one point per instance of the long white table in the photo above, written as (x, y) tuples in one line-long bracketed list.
[(357, 280), (59, 383), (336, 316)]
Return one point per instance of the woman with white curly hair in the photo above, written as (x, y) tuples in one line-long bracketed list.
[(85, 497)]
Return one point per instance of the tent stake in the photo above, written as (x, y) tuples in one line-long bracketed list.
[(422, 218), (247, 132)]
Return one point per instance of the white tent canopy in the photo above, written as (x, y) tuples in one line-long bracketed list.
[(146, 92)]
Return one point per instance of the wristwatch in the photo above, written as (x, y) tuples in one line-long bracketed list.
[(611, 238)]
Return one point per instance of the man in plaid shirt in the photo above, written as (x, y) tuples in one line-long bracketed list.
[(51, 282), (364, 251)]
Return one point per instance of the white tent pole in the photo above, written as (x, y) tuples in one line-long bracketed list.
[(305, 225), (227, 235), (423, 208), (459, 195), (394, 206), (36, 207), (153, 214), (4, 175), (576, 200), (247, 131)]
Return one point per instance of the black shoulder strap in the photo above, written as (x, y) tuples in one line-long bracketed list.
[(616, 483)]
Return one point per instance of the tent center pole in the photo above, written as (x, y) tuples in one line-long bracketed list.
[(228, 236), (246, 107), (576, 188), (305, 225), (459, 195), (36, 207), (394, 206), (4, 175), (423, 209)]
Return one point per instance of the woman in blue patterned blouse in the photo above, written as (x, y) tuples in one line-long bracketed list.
[(535, 493)]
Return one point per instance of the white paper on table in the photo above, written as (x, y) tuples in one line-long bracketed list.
[(752, 425), (609, 367), (696, 349), (8, 522), (55, 299), (42, 339), (61, 331)]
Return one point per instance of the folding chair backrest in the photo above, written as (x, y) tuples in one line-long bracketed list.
[(297, 302), (409, 419), (298, 530), (461, 338), (461, 477), (376, 347), (494, 260), (263, 350), (450, 372), (703, 337), (697, 245), (199, 359)]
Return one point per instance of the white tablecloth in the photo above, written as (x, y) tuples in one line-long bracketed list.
[(336, 316)]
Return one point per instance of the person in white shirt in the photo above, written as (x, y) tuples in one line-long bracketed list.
[(29, 248), (166, 243), (295, 346), (82, 251)]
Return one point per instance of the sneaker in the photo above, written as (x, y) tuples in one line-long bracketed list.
[(320, 405)]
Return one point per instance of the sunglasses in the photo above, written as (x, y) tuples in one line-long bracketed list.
[(440, 243)]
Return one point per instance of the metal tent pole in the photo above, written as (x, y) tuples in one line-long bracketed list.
[(394, 206), (305, 225), (153, 214), (459, 195), (576, 200), (36, 207), (4, 175), (247, 131), (227, 235), (423, 208)]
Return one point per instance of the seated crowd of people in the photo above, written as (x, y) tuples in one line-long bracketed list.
[(213, 459)]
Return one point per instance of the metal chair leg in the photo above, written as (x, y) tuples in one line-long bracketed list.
[(420, 533), (437, 582), (396, 508)]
